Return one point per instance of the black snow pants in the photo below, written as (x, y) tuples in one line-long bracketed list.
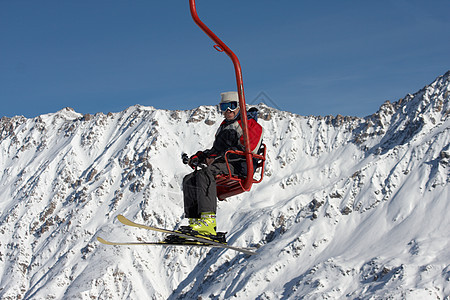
[(199, 189)]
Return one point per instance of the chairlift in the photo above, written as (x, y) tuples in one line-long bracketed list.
[(228, 184)]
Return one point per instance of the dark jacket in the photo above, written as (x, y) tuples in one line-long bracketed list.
[(229, 136)]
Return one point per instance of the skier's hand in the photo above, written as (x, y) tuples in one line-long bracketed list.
[(197, 159)]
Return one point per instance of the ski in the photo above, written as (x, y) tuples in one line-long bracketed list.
[(197, 238), (187, 243)]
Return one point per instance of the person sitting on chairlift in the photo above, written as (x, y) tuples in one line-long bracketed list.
[(199, 187)]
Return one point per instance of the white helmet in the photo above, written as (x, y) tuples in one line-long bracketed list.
[(229, 97), (229, 100)]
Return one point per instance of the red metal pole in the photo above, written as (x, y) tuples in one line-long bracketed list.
[(240, 87)]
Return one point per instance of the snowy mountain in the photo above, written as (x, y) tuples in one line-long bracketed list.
[(349, 207)]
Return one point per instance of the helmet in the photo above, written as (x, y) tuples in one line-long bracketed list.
[(229, 97), (229, 100)]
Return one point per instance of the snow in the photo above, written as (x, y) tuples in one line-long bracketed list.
[(349, 207)]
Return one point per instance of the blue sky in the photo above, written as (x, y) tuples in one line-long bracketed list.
[(308, 57)]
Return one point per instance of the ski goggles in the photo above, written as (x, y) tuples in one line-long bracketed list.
[(232, 106)]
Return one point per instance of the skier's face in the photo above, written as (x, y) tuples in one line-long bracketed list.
[(230, 115)]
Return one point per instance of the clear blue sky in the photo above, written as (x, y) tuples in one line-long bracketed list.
[(309, 57)]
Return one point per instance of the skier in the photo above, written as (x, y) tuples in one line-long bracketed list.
[(199, 187)]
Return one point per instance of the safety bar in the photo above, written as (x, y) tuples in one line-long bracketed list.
[(261, 157)]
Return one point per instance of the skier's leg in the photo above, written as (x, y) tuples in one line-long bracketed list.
[(190, 192), (200, 197), (206, 191)]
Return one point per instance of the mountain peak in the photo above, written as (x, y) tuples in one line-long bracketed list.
[(348, 207)]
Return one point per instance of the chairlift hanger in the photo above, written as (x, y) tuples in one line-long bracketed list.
[(231, 185)]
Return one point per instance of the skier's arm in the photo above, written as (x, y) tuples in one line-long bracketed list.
[(225, 140)]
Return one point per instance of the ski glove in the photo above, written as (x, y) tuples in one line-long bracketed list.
[(197, 159)]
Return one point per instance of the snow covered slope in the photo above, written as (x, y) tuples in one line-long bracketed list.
[(349, 207)]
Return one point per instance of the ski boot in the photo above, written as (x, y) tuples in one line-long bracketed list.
[(205, 226), (175, 239)]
